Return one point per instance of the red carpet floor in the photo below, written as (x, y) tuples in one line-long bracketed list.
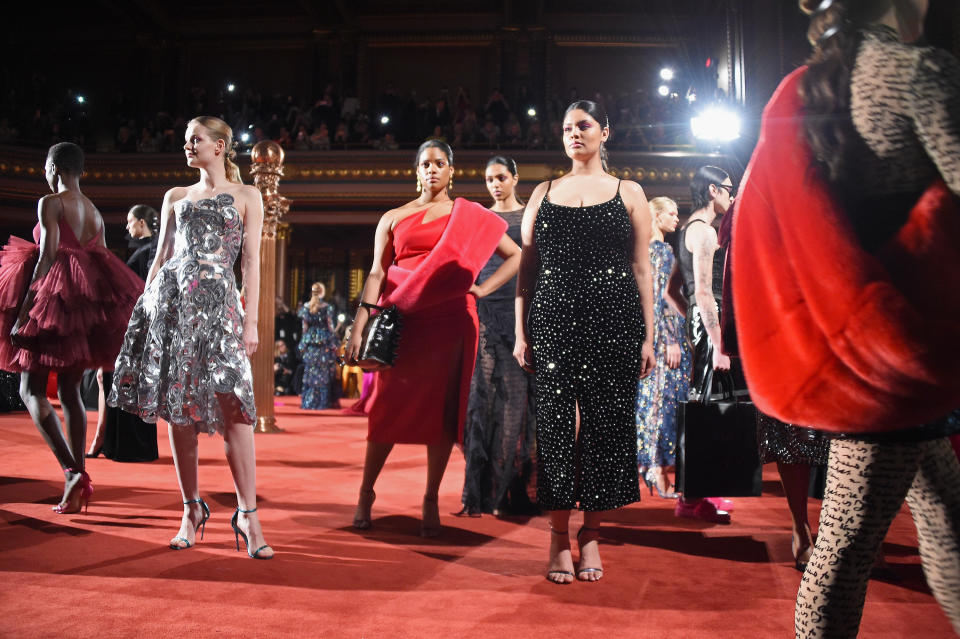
[(109, 573)]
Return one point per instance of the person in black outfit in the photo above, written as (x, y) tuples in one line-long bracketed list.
[(584, 300), (498, 439), (123, 436)]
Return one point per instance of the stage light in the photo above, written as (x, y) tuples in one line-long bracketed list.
[(691, 97), (81, 99), (532, 112), (231, 87), (716, 124), (249, 126), (666, 74), (663, 90), (341, 317), (384, 119), (245, 137)]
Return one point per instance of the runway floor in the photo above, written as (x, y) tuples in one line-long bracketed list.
[(109, 573)]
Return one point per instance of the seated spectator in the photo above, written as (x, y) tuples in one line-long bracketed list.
[(125, 140), (490, 133), (148, 142), (284, 364), (341, 136), (320, 140), (302, 141)]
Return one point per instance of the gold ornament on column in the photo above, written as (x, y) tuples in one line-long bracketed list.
[(266, 169)]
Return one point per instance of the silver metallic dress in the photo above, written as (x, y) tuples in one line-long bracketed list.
[(183, 358)]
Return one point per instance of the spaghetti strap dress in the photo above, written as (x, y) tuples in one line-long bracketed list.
[(586, 324)]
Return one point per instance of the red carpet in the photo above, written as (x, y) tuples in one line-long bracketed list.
[(109, 573)]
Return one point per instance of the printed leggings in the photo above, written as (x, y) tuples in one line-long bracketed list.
[(866, 486)]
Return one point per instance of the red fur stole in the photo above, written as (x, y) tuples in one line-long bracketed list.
[(833, 337)]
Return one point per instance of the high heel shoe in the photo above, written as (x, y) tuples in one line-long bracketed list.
[(202, 526), (433, 528), (650, 479), (95, 453), (239, 533), (801, 555), (85, 486), (581, 572), (361, 520), (701, 509), (562, 573)]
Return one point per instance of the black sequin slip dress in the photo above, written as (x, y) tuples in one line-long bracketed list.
[(586, 328)]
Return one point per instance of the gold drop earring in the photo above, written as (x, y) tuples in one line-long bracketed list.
[(419, 186), (450, 183)]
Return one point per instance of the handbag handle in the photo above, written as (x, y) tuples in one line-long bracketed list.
[(726, 387), (372, 306)]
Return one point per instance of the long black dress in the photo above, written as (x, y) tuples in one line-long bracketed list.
[(127, 438), (586, 325), (498, 437)]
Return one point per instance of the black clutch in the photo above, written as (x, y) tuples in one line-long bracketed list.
[(381, 337)]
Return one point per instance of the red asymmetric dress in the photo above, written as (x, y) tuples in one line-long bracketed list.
[(80, 309), (422, 398)]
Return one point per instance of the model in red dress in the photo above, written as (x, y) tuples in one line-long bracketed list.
[(64, 305), (427, 255)]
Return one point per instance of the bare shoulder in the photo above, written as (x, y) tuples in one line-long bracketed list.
[(701, 235), (175, 194), (249, 192), (631, 189)]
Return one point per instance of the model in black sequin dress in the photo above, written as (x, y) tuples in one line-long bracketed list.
[(586, 324)]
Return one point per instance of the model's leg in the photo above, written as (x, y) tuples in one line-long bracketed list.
[(934, 501), (874, 477), (796, 484), (33, 392), (376, 457), (560, 567), (238, 444), (437, 457), (590, 567), (183, 445), (97, 442), (74, 413)]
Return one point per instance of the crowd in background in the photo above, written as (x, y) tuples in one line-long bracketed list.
[(394, 119)]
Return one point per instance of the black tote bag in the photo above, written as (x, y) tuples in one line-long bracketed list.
[(717, 444)]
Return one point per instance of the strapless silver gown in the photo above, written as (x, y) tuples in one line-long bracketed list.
[(183, 358)]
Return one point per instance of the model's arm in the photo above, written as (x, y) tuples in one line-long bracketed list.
[(640, 221), (373, 287), (250, 266), (168, 229), (48, 213), (510, 252), (703, 239), (527, 276)]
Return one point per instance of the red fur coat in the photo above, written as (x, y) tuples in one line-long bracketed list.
[(833, 337)]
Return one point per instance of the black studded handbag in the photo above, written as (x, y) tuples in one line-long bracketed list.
[(381, 337)]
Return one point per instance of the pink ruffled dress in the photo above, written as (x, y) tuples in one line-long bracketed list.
[(81, 306)]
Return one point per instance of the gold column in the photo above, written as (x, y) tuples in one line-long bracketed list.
[(283, 240), (267, 158)]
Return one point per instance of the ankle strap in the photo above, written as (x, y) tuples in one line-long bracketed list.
[(241, 510), (559, 532), (193, 501)]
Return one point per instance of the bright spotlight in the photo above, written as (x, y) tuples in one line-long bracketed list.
[(663, 90), (384, 119), (716, 124), (532, 112), (691, 97), (341, 317), (245, 137), (81, 99), (666, 74), (231, 87)]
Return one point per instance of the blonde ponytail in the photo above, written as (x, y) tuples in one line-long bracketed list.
[(220, 130), (232, 170)]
